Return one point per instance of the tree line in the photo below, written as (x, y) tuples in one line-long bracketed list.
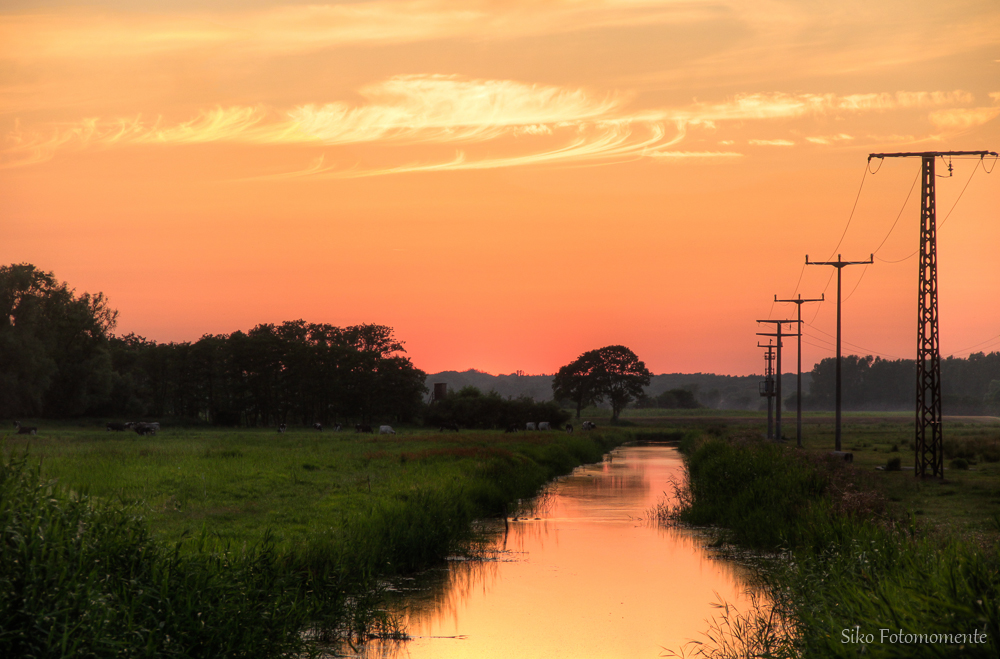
[(968, 386), (59, 357)]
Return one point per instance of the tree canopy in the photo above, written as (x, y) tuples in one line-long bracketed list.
[(54, 356), (577, 382), (59, 358), (612, 372)]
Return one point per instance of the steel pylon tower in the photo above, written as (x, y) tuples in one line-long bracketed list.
[(929, 439)]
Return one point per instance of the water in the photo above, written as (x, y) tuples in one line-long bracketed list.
[(585, 576)]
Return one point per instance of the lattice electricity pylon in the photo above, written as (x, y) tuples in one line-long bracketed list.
[(929, 438)]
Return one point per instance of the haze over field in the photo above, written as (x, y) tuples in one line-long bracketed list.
[(506, 184)]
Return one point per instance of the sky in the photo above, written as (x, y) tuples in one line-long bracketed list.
[(508, 184)]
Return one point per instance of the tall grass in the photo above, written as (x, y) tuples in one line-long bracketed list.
[(84, 579), (847, 568), (85, 576)]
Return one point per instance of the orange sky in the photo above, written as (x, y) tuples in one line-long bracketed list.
[(507, 184)]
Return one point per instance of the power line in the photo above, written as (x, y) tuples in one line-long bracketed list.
[(827, 348), (853, 345), (991, 341), (900, 214), (853, 208), (907, 258), (974, 170)]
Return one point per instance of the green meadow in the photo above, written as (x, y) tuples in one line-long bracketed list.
[(301, 528)]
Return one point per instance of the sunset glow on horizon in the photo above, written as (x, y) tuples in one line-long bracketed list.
[(507, 184)]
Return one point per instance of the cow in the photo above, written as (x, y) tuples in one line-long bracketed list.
[(317, 426), (386, 430), (25, 430), (337, 428), (569, 427), (544, 425), (117, 426), (144, 429), (449, 426), (358, 427), (282, 427), (513, 428), (589, 425)]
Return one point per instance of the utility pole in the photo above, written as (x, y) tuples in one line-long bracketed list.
[(839, 265), (778, 334), (929, 438), (768, 386), (798, 396)]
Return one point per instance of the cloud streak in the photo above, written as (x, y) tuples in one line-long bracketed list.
[(523, 124)]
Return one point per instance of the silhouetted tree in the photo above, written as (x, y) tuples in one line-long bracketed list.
[(577, 382), (614, 372), (621, 376), (54, 356)]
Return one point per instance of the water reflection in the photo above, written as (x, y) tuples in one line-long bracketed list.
[(584, 575)]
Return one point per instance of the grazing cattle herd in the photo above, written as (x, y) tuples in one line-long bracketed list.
[(145, 428)]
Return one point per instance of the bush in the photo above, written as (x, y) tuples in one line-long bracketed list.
[(471, 408), (894, 464)]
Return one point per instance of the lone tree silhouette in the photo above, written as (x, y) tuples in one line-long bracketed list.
[(614, 372)]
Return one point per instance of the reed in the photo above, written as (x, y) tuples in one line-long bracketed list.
[(845, 565)]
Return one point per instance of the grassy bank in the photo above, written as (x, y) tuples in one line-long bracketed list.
[(297, 528), (965, 502), (851, 566)]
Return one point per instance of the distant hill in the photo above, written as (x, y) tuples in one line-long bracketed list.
[(732, 392)]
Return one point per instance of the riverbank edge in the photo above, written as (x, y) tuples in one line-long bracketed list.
[(840, 574), (81, 577)]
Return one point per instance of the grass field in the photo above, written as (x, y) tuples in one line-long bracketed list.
[(297, 530), (237, 484), (301, 525)]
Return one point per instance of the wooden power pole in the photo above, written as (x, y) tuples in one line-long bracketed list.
[(798, 377), (777, 388), (839, 265)]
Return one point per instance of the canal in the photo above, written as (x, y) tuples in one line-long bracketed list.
[(584, 574)]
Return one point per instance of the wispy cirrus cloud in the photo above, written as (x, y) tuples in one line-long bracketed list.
[(963, 118), (525, 124), (404, 110), (744, 107), (829, 139)]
